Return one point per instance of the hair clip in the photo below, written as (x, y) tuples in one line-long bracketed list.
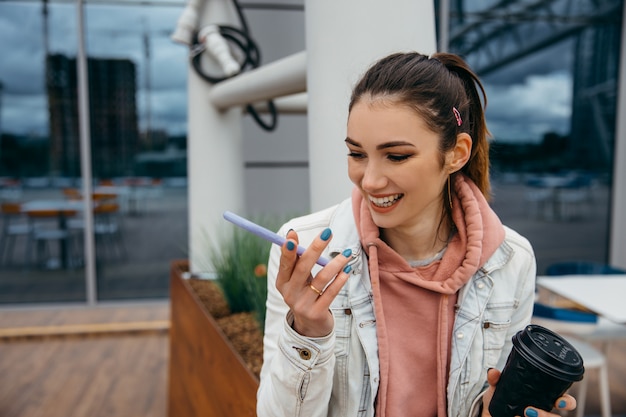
[(457, 115)]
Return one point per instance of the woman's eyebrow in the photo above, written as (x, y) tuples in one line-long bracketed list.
[(352, 142), (394, 144), (382, 145)]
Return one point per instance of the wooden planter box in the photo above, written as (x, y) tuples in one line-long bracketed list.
[(207, 377)]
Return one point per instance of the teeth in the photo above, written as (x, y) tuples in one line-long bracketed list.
[(386, 201)]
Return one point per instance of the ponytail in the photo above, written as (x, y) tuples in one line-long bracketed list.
[(473, 116)]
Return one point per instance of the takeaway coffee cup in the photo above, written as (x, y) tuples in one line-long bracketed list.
[(540, 368)]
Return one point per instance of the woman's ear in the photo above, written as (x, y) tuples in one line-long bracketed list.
[(460, 154)]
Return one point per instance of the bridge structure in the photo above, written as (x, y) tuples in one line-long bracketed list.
[(492, 34), (497, 33)]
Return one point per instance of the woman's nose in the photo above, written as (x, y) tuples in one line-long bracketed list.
[(373, 178)]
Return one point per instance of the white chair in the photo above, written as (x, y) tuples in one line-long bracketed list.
[(569, 323), (14, 226), (108, 230), (539, 202), (46, 231), (573, 203), (593, 359)]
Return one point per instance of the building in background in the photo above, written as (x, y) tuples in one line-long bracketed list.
[(594, 104), (113, 116)]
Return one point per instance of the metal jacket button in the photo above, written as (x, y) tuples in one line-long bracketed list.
[(305, 354)]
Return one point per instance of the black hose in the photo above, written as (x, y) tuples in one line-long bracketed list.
[(251, 58)]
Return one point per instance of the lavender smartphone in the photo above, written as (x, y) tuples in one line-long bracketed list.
[(265, 233)]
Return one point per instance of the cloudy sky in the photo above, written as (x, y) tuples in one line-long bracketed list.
[(525, 100), (113, 32), (533, 96)]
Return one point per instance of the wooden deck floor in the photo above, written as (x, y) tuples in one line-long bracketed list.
[(101, 362), (112, 362)]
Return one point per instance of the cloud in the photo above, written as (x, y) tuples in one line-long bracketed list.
[(526, 111), (556, 58), (25, 114), (112, 32), (21, 66), (169, 110)]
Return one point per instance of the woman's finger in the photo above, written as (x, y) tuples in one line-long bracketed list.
[(308, 259), (331, 289), (564, 403), (325, 279), (493, 376), (288, 259), (311, 305)]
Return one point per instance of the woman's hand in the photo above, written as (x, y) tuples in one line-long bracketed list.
[(309, 297), (566, 402)]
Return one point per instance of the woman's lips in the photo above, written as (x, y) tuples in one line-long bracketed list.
[(386, 203)]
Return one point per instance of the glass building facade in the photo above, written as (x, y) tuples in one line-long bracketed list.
[(551, 111)]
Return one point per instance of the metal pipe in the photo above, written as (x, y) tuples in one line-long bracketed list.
[(293, 104), (279, 78), (617, 230), (85, 159), (444, 25), (1, 88)]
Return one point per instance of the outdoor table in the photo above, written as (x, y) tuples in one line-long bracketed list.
[(601, 294), (59, 209)]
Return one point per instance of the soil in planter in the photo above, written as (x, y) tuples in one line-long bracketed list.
[(211, 296), (242, 329)]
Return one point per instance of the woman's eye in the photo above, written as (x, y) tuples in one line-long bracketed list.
[(398, 158), (356, 155)]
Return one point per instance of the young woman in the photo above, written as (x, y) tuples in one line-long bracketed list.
[(414, 314)]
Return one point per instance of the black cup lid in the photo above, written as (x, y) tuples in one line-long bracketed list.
[(550, 352)]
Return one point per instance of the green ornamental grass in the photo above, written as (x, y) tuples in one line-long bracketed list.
[(240, 265)]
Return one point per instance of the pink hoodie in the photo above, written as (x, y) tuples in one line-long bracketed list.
[(415, 306)]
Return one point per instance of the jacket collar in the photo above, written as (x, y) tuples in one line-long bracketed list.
[(500, 257)]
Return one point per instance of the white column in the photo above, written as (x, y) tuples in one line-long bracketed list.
[(215, 160), (617, 250), (343, 37)]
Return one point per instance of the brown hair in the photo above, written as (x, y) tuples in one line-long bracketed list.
[(433, 87)]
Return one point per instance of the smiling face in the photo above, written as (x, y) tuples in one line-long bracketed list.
[(395, 161)]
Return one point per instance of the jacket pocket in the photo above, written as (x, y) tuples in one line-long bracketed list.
[(343, 321), (496, 323), (342, 314)]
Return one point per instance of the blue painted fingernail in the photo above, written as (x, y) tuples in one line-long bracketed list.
[(347, 269), (531, 412), (290, 245), (562, 404), (326, 234), (347, 253)]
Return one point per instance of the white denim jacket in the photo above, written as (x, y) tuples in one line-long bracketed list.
[(338, 375)]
